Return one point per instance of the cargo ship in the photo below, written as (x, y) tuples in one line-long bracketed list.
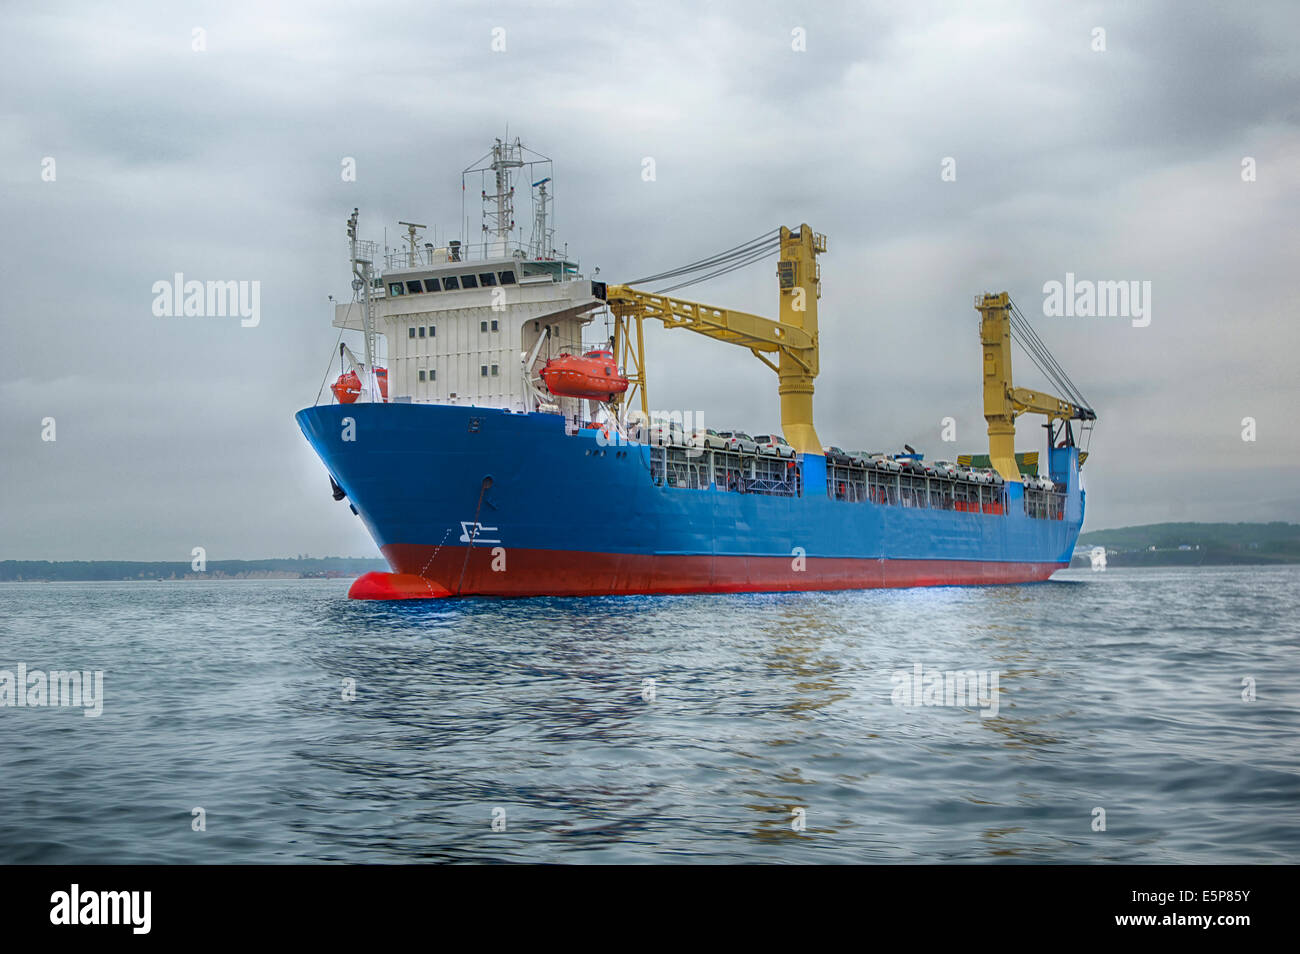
[(493, 447)]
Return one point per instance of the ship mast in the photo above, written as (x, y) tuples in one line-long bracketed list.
[(412, 252), (497, 171), (540, 246), (361, 281), (499, 208)]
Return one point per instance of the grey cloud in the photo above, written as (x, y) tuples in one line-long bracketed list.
[(225, 164)]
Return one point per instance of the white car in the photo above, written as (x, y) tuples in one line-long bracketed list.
[(738, 442), (706, 438), (774, 445), (665, 435)]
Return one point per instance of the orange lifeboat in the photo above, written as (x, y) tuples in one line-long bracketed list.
[(594, 376), (347, 388)]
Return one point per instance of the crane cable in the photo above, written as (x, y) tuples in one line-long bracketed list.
[(1030, 340), (740, 249), (1024, 335), (723, 262), (757, 255)]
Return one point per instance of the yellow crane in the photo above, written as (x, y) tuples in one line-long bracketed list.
[(789, 347), (791, 340), (1003, 402)]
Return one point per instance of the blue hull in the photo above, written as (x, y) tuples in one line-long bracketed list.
[(564, 514)]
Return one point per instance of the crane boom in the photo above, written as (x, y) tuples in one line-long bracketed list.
[(792, 340), (1027, 401), (756, 333)]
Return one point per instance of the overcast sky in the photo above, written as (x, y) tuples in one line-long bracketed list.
[(224, 163)]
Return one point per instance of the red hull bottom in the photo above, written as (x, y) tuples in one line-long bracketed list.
[(425, 572)]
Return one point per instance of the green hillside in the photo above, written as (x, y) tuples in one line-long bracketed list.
[(1209, 543)]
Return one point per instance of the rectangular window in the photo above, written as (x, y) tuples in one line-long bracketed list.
[(433, 374), (482, 326), (422, 331), (414, 287), (494, 370), (482, 371), (468, 281), (421, 375), (487, 279), (431, 285), (450, 284), (433, 330), (410, 332), (494, 325), (395, 288), (507, 278)]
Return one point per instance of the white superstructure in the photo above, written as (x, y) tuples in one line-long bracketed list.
[(472, 324)]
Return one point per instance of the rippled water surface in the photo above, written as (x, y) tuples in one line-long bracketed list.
[(1120, 690)]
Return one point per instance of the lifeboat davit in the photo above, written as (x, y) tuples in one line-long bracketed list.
[(594, 376)]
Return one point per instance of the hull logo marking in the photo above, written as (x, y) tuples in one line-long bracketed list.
[(475, 529)]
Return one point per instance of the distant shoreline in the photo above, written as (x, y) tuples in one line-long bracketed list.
[(1194, 544), (1156, 544), (1079, 563), (109, 571)]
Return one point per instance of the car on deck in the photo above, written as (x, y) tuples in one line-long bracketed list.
[(774, 445), (739, 442)]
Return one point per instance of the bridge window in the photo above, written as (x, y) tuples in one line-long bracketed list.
[(507, 278), (395, 288), (414, 287), (431, 285), (450, 283), (468, 281), (487, 279)]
